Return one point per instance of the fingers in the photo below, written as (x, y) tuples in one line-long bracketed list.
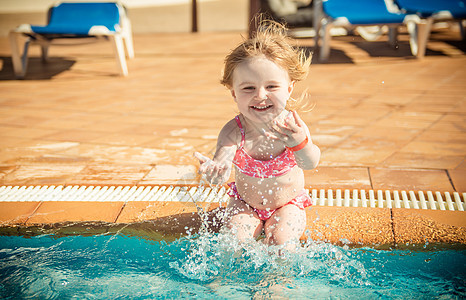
[(271, 135), (290, 131), (298, 119), (205, 163), (213, 171), (216, 174), (285, 129), (202, 158)]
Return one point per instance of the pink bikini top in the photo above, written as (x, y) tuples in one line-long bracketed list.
[(247, 165)]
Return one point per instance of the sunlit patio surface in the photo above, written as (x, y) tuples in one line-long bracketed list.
[(383, 119)]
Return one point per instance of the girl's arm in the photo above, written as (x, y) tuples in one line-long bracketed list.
[(308, 157), (294, 133), (218, 169)]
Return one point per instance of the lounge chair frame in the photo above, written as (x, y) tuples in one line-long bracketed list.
[(418, 29), (121, 39)]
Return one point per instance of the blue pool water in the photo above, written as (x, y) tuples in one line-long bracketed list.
[(213, 266)]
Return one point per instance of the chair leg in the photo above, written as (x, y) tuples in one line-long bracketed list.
[(317, 19), (393, 36), (19, 63), (462, 23), (419, 34), (119, 51), (45, 52), (128, 39), (326, 37)]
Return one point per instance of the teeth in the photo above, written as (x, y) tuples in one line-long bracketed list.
[(261, 107)]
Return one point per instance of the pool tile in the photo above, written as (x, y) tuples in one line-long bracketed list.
[(23, 132), (338, 178), (176, 143), (73, 135), (356, 157), (25, 121), (354, 225), (171, 174), (387, 132), (410, 180), (9, 142), (138, 211), (461, 166), (435, 148), (458, 178), (41, 174), (66, 123), (128, 139), (5, 169), (120, 155), (110, 126), (15, 213), (368, 114), (405, 160), (419, 226), (110, 175), (397, 122), (75, 211), (169, 218)]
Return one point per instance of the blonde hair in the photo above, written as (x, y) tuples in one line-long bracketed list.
[(270, 41)]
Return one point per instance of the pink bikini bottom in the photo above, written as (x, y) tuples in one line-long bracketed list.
[(302, 201)]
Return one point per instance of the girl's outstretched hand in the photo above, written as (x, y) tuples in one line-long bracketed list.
[(215, 172), (292, 131)]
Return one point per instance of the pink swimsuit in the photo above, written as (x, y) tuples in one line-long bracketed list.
[(277, 166)]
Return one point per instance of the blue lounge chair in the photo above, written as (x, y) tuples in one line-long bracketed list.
[(360, 13), (436, 10), (76, 20), (441, 9)]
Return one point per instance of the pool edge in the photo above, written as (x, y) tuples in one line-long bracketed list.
[(170, 210)]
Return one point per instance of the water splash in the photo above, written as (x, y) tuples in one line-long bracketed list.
[(213, 266), (208, 257)]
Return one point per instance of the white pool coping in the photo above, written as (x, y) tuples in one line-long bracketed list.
[(169, 193)]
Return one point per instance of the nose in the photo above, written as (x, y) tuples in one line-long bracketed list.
[(261, 93)]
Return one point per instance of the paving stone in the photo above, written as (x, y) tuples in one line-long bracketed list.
[(16, 213), (419, 226), (338, 178), (410, 180), (77, 114), (52, 212), (350, 225), (458, 178)]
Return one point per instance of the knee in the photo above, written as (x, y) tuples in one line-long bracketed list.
[(282, 235), (244, 226)]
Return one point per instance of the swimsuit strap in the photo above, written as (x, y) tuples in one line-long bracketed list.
[(238, 121)]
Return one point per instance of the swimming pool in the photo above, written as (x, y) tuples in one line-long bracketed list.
[(213, 266)]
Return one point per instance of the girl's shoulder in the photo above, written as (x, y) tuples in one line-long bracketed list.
[(230, 133)]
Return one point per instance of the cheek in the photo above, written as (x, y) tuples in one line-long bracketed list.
[(282, 96), (242, 97)]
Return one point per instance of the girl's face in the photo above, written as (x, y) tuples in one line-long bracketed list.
[(261, 89)]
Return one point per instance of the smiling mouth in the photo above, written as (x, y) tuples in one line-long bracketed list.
[(261, 108)]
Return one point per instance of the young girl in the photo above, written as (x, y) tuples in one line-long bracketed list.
[(269, 145)]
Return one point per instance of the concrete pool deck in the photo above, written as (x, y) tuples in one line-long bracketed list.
[(383, 120)]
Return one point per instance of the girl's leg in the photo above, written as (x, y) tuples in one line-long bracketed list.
[(243, 221), (286, 225)]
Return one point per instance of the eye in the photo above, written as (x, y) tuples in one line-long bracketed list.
[(248, 88), (273, 86)]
